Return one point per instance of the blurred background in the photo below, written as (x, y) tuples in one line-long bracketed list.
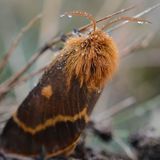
[(131, 101)]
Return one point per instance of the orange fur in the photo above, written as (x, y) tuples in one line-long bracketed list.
[(91, 59)]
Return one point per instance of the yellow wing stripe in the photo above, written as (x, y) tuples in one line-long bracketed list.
[(64, 151), (52, 121)]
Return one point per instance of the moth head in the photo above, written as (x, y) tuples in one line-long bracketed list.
[(92, 58)]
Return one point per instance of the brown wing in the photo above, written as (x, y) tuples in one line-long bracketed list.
[(51, 117)]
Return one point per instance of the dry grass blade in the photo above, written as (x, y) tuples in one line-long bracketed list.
[(21, 80), (27, 77), (126, 148), (136, 16), (31, 75), (16, 77), (16, 41), (115, 109), (140, 42)]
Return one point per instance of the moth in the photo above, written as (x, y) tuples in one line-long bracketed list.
[(56, 111)]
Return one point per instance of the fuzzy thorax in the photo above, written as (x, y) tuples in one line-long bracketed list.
[(92, 59)]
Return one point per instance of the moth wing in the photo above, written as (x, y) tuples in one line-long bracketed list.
[(51, 118)]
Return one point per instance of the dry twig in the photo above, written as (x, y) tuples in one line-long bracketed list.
[(16, 41), (115, 109), (139, 43), (23, 79)]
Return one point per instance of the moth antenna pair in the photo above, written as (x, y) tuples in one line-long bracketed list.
[(82, 14), (125, 18), (94, 22)]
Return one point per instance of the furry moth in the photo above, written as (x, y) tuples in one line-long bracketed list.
[(56, 111)]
